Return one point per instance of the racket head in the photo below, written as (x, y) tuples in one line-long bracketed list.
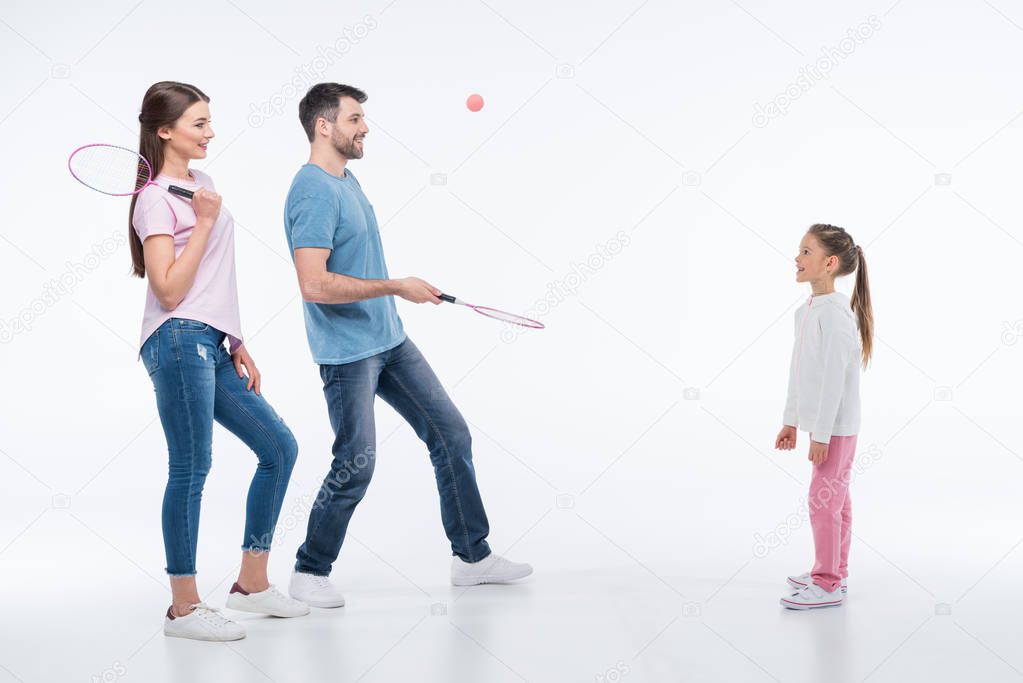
[(510, 318), (110, 169)]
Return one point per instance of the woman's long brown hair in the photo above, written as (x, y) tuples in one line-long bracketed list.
[(837, 242), (163, 104)]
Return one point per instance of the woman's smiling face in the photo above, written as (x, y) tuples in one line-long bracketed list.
[(191, 132)]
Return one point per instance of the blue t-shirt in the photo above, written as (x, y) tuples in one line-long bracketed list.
[(330, 212)]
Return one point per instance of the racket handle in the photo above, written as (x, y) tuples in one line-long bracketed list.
[(180, 191), (447, 297)]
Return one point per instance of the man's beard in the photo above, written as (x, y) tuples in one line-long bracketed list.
[(346, 146)]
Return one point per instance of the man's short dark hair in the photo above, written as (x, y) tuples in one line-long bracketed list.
[(323, 100)]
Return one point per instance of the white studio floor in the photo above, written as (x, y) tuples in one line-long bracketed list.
[(593, 611)]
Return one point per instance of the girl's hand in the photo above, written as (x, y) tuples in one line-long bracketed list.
[(242, 358), (818, 452), (786, 440)]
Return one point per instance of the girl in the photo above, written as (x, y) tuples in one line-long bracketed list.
[(186, 251), (834, 335)]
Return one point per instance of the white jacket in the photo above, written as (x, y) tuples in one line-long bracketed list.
[(824, 376)]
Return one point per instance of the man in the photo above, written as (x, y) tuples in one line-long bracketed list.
[(360, 345)]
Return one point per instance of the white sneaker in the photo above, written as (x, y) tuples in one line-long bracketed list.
[(316, 591), (805, 579), (491, 569), (202, 623), (271, 601), (812, 596)]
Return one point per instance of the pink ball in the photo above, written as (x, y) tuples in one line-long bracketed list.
[(475, 102)]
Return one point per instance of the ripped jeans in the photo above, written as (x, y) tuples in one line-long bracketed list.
[(196, 383)]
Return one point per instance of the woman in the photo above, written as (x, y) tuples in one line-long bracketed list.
[(186, 251)]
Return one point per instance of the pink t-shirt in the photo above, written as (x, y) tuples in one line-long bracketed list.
[(213, 298)]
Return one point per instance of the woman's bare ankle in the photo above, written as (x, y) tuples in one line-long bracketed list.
[(183, 609), (250, 585)]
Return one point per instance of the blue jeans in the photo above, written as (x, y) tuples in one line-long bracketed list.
[(403, 378), (196, 383)]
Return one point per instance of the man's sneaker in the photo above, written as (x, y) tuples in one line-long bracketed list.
[(202, 623), (491, 569), (315, 591), (271, 601), (812, 597), (805, 579)]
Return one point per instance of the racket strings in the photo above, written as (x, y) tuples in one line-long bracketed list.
[(507, 317), (110, 169)]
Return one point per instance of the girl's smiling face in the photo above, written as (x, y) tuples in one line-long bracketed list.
[(812, 264), (190, 134)]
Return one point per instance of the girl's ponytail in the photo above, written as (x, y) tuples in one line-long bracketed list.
[(861, 306)]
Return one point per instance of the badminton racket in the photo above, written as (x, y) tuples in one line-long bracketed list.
[(503, 316), (114, 170)]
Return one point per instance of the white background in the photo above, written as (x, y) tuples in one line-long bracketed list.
[(625, 451)]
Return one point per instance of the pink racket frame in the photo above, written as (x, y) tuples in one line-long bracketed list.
[(500, 315)]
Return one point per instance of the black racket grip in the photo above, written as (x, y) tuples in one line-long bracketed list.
[(447, 297), (180, 191)]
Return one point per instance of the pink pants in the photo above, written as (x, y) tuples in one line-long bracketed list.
[(831, 513)]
